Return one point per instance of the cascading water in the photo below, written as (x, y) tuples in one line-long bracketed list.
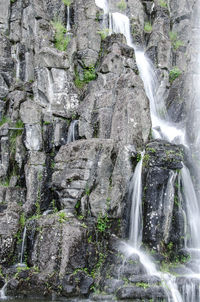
[(68, 19), (3, 292), (135, 193), (72, 132), (22, 248), (163, 128)]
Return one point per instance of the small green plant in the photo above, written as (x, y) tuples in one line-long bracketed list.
[(5, 183), (4, 120), (176, 43), (103, 33), (55, 210), (122, 5), (147, 27), (87, 190), (163, 3), (142, 284), (138, 158), (102, 223), (22, 220), (146, 159), (16, 131), (61, 39), (174, 74), (89, 74), (47, 123), (152, 150), (62, 217), (67, 2)]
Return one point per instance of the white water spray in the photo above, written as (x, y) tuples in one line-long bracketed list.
[(3, 292), (68, 18), (135, 193), (72, 132), (103, 4), (22, 248)]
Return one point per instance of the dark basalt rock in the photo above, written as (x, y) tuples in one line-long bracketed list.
[(162, 162), (134, 292), (76, 284)]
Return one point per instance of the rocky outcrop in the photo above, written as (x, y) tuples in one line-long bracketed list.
[(73, 195), (162, 204)]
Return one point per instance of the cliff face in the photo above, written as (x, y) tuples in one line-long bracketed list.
[(48, 80)]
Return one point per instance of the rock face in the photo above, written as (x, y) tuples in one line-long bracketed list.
[(162, 211), (71, 192)]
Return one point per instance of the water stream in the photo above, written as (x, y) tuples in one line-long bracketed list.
[(72, 131), (3, 292), (163, 128), (68, 19), (135, 193), (22, 248)]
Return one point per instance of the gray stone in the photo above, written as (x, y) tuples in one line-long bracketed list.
[(54, 90), (49, 57), (134, 292), (4, 15), (116, 106), (33, 140), (30, 112), (9, 225)]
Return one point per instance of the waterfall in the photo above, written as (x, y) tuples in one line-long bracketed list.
[(161, 126), (22, 248), (3, 292), (135, 193), (192, 209), (119, 23), (164, 128), (103, 4), (68, 19), (72, 131)]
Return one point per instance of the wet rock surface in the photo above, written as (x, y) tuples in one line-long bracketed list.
[(161, 165), (81, 186)]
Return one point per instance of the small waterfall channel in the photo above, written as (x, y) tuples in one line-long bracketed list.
[(162, 128), (3, 292), (72, 131)]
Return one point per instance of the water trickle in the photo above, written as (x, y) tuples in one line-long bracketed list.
[(3, 292), (103, 4), (161, 126), (192, 209), (68, 19), (72, 132), (135, 193), (22, 248)]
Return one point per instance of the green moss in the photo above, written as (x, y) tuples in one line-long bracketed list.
[(22, 220), (102, 223), (176, 43), (4, 120), (147, 27), (67, 2), (89, 74), (122, 5), (62, 217), (146, 160), (152, 150), (5, 183), (174, 74), (163, 4), (103, 33)]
